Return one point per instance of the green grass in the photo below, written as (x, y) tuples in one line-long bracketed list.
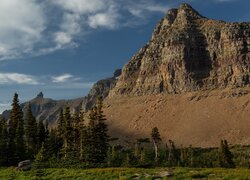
[(124, 173)]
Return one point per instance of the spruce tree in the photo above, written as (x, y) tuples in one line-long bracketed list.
[(156, 139), (31, 132), (172, 155), (60, 130), (226, 157), (102, 141), (41, 134), (16, 146), (82, 134), (90, 138), (67, 135), (96, 138), (76, 145), (3, 142)]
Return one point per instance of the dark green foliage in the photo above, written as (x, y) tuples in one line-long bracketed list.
[(3, 142), (16, 146), (67, 134), (42, 134), (40, 158), (226, 157), (96, 138), (31, 133), (173, 155)]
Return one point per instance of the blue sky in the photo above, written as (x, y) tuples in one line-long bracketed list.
[(61, 47)]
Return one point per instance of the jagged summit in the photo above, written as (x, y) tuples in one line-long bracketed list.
[(184, 13), (40, 95)]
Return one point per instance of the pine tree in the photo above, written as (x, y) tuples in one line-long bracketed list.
[(96, 137), (67, 135), (82, 133), (102, 132), (172, 156), (76, 145), (3, 142), (40, 157), (31, 132), (41, 134), (60, 128), (52, 145), (90, 138), (156, 138), (226, 157), (16, 146)]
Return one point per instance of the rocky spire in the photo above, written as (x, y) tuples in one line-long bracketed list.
[(40, 95)]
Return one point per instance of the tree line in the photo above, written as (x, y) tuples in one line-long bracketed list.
[(81, 139)]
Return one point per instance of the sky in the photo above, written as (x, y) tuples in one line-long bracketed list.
[(62, 47)]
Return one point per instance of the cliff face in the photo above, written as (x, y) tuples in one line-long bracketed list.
[(189, 52)]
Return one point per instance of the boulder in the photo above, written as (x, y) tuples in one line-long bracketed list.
[(24, 165)]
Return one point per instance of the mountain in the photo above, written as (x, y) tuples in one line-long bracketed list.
[(191, 80), (46, 109), (189, 52)]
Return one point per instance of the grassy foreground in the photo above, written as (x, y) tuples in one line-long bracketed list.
[(125, 173)]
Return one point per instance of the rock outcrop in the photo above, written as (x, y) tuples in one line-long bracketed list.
[(189, 52)]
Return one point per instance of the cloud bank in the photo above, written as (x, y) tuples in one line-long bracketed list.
[(35, 27)]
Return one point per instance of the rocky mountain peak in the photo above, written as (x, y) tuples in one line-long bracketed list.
[(40, 95), (188, 11), (188, 52)]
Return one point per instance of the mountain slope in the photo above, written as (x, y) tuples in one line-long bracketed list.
[(191, 80)]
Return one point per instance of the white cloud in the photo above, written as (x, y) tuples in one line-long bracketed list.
[(16, 78), (62, 78), (107, 20), (62, 38), (21, 25), (141, 9), (35, 27), (82, 6)]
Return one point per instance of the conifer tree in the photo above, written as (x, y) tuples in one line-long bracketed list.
[(31, 132), (60, 128), (67, 135), (40, 157), (41, 134), (82, 134), (52, 144), (172, 156), (3, 142), (156, 139), (90, 137), (102, 141), (226, 157), (96, 138), (76, 134), (16, 147)]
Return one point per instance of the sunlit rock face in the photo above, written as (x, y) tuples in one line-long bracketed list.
[(188, 52)]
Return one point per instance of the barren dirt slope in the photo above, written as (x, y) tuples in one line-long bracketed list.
[(198, 119)]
